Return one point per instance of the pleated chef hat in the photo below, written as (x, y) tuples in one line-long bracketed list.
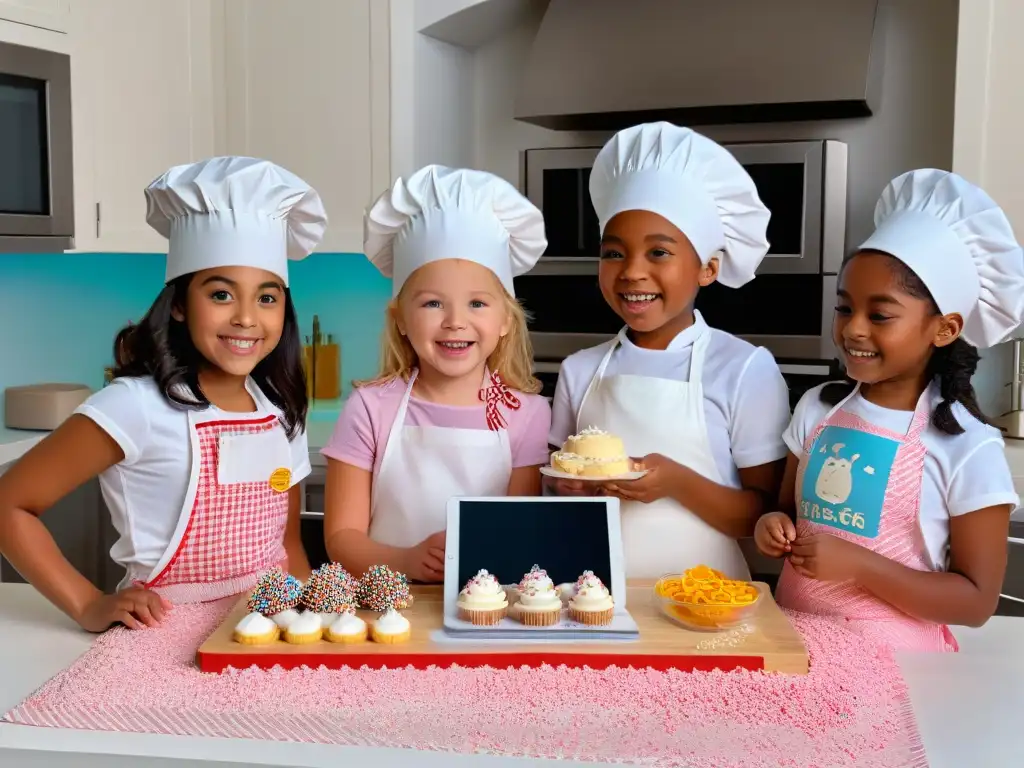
[(960, 243), (234, 212), (694, 183), (446, 213)]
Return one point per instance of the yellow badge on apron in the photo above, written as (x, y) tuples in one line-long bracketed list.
[(281, 479)]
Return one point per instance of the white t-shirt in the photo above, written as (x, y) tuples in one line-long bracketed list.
[(746, 400), (146, 491), (962, 473)]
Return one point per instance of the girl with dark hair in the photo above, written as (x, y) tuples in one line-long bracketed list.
[(897, 496), (199, 442)]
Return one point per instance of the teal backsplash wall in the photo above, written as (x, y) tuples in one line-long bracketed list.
[(59, 312)]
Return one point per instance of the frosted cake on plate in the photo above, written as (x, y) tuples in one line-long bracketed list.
[(592, 453)]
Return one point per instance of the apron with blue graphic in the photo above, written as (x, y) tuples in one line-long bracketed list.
[(862, 483)]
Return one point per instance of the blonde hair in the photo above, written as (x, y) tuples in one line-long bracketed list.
[(512, 359)]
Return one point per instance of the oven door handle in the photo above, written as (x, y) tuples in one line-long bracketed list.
[(542, 367)]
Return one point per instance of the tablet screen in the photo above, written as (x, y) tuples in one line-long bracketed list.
[(564, 537)]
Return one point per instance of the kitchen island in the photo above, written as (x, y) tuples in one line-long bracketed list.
[(967, 706)]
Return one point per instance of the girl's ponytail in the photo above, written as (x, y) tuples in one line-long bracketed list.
[(953, 366)]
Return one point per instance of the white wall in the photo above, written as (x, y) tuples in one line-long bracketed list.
[(499, 136), (444, 102)]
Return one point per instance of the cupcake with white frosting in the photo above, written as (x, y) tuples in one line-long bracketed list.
[(539, 604), (482, 601), (285, 618), (255, 629), (391, 628), (347, 629), (307, 628), (592, 604)]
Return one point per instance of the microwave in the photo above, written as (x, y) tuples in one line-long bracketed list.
[(36, 192), (787, 309)]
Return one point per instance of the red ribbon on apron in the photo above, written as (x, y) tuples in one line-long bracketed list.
[(498, 394)]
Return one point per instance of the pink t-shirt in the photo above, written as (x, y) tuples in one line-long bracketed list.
[(362, 430)]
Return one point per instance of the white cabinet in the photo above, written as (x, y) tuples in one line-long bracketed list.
[(142, 89), (44, 14), (157, 83), (987, 147), (305, 86)]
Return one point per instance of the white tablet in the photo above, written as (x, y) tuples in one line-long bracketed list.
[(508, 535)]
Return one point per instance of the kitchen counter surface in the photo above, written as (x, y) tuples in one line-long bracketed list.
[(967, 706), (15, 443)]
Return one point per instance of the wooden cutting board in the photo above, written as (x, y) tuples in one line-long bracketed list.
[(773, 645)]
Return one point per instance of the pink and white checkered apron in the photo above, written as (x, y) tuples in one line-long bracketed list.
[(898, 538), (234, 531)]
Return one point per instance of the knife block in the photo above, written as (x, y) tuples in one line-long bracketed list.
[(322, 365), (307, 368), (327, 372)]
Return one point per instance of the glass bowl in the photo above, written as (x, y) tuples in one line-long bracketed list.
[(703, 614)]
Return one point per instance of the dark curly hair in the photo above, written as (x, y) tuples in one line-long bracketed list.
[(161, 347), (953, 365)]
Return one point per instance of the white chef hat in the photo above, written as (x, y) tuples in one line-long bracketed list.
[(959, 242), (693, 182), (446, 213), (234, 211)]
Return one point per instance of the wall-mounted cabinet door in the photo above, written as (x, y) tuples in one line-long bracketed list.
[(303, 88), (142, 88)]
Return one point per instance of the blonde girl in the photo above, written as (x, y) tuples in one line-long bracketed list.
[(455, 409)]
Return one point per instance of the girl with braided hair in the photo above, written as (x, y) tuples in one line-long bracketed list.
[(896, 501)]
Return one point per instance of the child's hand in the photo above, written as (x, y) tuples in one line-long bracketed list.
[(563, 487), (134, 607), (662, 475), (825, 557), (425, 561), (773, 533)]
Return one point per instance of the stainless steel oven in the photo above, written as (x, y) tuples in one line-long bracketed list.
[(36, 190), (787, 309)]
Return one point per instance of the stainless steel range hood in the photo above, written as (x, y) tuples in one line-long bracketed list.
[(607, 64)]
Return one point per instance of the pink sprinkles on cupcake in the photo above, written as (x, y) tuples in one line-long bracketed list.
[(580, 582), (530, 579)]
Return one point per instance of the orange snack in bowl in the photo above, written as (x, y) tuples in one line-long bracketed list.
[(703, 597), (702, 585)]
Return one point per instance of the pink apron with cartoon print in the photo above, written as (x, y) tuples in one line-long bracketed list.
[(236, 509), (862, 483)]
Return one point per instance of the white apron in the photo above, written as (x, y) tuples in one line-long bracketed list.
[(423, 467), (654, 415)]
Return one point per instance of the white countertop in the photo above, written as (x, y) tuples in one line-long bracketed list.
[(967, 705), (15, 443)]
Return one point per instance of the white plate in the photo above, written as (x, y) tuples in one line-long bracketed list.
[(552, 472)]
